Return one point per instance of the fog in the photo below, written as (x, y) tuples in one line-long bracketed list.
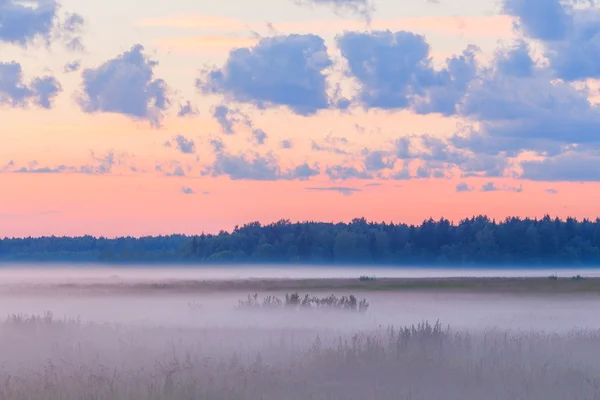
[(170, 345), (68, 273)]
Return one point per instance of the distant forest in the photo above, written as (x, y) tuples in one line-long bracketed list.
[(477, 240)]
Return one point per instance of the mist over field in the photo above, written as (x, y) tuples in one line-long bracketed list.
[(69, 335)]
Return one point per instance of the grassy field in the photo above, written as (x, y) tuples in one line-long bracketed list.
[(561, 285), (47, 359)]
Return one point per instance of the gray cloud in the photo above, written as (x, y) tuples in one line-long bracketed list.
[(341, 172), (186, 110), (346, 191), (278, 71), (22, 22), (176, 170), (328, 148), (72, 67), (377, 160), (15, 93), (302, 172), (187, 190), (286, 144), (125, 85), (227, 118), (489, 187), (574, 166), (185, 145), (256, 167), (217, 145), (539, 19), (569, 34), (71, 30), (259, 136), (101, 165), (463, 187), (395, 72)]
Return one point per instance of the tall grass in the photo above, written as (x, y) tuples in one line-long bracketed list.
[(50, 359)]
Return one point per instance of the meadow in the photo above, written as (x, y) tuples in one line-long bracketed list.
[(44, 357), (142, 335)]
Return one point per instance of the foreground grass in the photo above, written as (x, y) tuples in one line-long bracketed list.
[(45, 358)]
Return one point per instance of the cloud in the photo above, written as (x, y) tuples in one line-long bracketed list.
[(519, 109), (438, 155), (576, 56), (551, 191), (187, 190), (72, 67), (227, 117), (22, 22), (463, 187), (489, 187), (256, 167), (45, 90), (539, 19), (394, 71), (278, 71), (177, 170), (71, 29), (286, 144), (571, 166), (302, 172), (15, 93), (101, 165), (217, 145), (341, 172), (259, 136), (330, 149), (516, 61), (570, 34), (364, 8), (187, 109), (377, 160), (346, 191), (125, 85), (240, 167), (185, 145)]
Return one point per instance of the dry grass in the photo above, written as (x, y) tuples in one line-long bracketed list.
[(46, 358)]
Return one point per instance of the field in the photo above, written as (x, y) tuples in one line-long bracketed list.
[(531, 286), (530, 338)]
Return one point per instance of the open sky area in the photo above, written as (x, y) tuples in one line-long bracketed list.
[(129, 118)]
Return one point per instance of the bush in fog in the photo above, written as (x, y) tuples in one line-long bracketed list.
[(365, 278), (296, 301)]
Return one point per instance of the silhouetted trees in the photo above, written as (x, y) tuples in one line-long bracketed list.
[(472, 241)]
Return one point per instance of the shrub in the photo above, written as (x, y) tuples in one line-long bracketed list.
[(365, 278), (296, 301)]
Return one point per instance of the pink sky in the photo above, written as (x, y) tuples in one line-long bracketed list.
[(107, 170)]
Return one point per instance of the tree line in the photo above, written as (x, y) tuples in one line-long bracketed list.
[(476, 240)]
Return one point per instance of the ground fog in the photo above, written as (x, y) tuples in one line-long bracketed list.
[(78, 345)]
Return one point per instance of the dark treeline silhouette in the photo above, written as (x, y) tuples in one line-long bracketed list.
[(477, 240)]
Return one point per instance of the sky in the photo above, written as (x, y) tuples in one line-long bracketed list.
[(188, 117)]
